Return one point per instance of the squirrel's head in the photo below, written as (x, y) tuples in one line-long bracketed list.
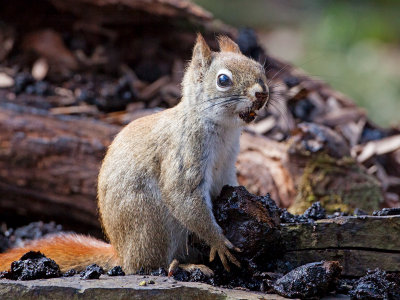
[(226, 85)]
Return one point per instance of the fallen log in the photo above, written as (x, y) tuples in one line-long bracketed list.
[(358, 243), (49, 166)]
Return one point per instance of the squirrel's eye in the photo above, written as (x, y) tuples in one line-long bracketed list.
[(224, 81)]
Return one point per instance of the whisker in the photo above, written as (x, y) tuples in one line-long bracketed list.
[(276, 85), (266, 68), (277, 73), (280, 113), (283, 92), (279, 104), (265, 60), (220, 97), (225, 101)]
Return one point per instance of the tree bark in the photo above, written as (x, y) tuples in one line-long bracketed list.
[(49, 165)]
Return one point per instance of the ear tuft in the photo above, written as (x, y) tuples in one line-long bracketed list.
[(227, 45), (201, 52)]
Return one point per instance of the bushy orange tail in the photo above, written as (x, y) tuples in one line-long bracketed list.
[(69, 251)]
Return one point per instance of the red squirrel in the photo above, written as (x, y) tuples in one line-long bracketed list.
[(161, 171)]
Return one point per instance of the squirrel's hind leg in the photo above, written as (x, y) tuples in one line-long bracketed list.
[(143, 242), (174, 265)]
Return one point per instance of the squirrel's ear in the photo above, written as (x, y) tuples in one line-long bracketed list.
[(227, 45), (201, 53)]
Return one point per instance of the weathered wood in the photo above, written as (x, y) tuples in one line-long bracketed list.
[(358, 243), (124, 11), (49, 165), (378, 233), (263, 167), (354, 262)]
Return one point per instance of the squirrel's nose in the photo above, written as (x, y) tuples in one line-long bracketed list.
[(261, 99), (261, 95)]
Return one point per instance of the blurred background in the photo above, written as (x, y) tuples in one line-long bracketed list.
[(352, 45)]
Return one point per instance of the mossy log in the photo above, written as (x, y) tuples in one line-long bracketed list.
[(358, 243)]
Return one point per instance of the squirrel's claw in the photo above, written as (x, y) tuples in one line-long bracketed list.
[(173, 266), (231, 246), (213, 251), (224, 255)]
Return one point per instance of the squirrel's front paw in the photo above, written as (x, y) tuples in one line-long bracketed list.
[(224, 253)]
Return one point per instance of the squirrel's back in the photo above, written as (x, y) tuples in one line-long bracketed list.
[(69, 251)]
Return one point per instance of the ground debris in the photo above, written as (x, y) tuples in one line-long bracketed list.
[(376, 285), (33, 265), (92, 271), (10, 238), (69, 273), (116, 271), (359, 212), (344, 285), (310, 281), (195, 275), (159, 272), (143, 283), (387, 212), (315, 212), (287, 217)]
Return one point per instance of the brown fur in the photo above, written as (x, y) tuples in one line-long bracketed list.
[(226, 45), (161, 171)]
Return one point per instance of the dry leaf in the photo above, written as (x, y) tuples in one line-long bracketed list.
[(40, 69), (6, 81), (379, 147)]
